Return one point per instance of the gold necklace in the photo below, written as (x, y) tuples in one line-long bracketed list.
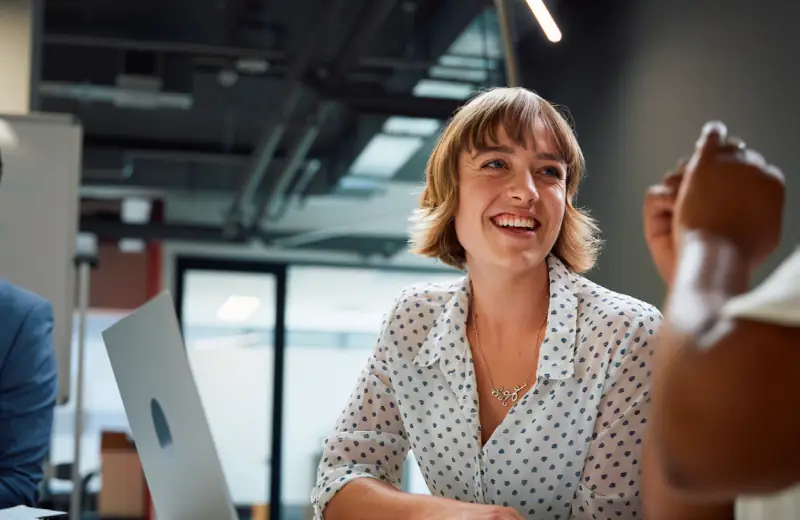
[(499, 392)]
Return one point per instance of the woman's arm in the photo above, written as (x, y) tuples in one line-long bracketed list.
[(359, 475), (726, 397), (369, 443), (362, 499)]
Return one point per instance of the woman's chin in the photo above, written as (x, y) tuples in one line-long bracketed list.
[(520, 261)]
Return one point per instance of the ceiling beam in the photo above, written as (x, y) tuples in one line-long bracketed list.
[(111, 230), (133, 144), (394, 104), (160, 46), (276, 57)]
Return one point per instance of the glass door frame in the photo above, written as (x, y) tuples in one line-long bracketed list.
[(184, 264)]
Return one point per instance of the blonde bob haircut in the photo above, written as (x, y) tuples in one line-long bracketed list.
[(475, 125)]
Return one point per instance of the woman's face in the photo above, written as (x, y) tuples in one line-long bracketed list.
[(511, 201)]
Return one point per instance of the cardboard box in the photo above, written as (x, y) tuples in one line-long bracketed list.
[(122, 494), (260, 512)]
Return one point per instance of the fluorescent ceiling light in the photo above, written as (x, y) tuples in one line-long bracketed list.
[(545, 20), (121, 97), (443, 89), (466, 62), (423, 127), (136, 210), (385, 154), (131, 245), (465, 69), (238, 309), (471, 75)]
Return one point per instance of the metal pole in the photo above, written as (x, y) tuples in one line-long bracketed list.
[(511, 63), (84, 273)]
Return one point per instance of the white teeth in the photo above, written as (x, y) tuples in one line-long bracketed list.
[(515, 221)]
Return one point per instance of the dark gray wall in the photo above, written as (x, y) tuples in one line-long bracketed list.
[(641, 91)]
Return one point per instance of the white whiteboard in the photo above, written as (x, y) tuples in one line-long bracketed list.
[(39, 204)]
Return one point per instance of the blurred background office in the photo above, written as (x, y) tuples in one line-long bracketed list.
[(260, 158)]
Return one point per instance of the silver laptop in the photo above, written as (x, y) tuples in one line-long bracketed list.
[(166, 417)]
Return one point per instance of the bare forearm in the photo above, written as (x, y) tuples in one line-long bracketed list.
[(714, 400), (367, 499)]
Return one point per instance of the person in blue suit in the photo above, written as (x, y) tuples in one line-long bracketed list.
[(28, 392)]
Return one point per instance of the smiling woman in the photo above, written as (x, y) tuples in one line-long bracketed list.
[(490, 138), (522, 388)]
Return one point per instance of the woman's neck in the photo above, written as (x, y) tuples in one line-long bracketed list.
[(510, 305)]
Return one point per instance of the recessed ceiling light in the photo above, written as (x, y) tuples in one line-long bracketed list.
[(131, 245), (135, 210), (237, 309), (252, 65)]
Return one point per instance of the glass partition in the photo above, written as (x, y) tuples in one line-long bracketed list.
[(265, 399), (228, 320)]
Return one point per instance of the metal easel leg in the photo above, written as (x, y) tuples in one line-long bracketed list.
[(85, 263)]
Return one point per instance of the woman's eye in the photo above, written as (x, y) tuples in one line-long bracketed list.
[(495, 164), (552, 171)]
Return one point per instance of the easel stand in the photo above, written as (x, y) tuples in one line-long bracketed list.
[(84, 264)]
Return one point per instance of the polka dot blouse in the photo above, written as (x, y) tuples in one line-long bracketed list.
[(568, 449)]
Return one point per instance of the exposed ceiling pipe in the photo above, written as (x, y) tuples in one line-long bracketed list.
[(509, 49), (112, 229), (118, 96), (230, 52), (318, 235), (374, 16), (297, 158), (269, 143), (198, 49), (298, 188), (188, 157)]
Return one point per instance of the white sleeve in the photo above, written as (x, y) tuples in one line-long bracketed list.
[(370, 440), (776, 300)]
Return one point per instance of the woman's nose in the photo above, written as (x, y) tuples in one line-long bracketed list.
[(522, 189)]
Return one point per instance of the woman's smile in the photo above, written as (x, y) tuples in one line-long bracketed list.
[(516, 226)]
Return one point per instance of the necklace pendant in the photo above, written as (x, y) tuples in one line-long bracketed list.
[(504, 396)]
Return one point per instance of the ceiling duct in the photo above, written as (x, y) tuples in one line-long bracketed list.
[(142, 79), (136, 97)]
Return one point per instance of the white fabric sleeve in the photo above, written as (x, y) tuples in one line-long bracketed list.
[(776, 300), (369, 440)]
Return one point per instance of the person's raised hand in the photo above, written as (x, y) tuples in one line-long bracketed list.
[(730, 192), (658, 213)]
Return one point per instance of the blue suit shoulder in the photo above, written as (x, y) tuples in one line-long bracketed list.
[(17, 303), (28, 392)]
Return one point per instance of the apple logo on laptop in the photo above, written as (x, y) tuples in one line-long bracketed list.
[(161, 425)]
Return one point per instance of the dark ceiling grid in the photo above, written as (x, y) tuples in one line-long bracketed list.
[(293, 92), (372, 19), (438, 30), (165, 164), (375, 17)]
